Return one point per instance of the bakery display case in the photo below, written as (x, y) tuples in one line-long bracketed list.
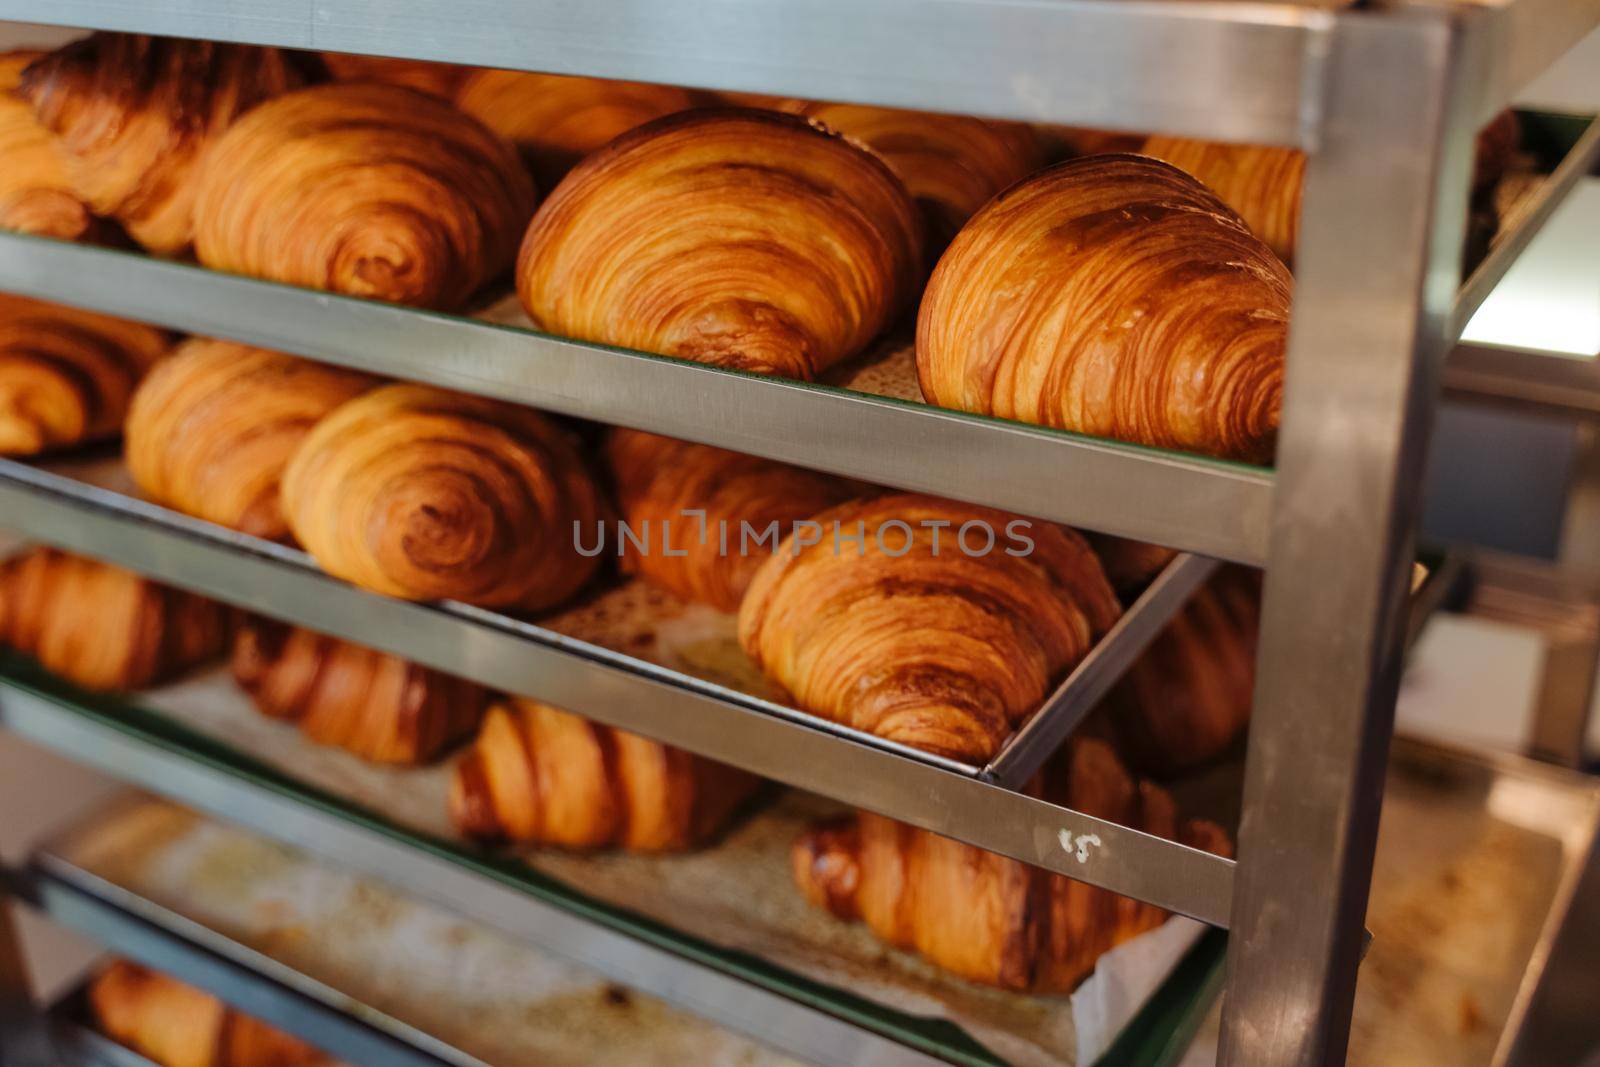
[(1309, 469)]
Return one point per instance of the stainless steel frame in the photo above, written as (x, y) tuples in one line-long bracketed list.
[(1387, 102)]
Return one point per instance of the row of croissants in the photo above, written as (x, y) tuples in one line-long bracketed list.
[(1112, 294)]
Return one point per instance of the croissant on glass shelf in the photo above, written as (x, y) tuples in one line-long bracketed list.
[(67, 376), (1115, 296), (661, 482), (177, 1025), (36, 191), (440, 79), (135, 115), (557, 120), (103, 627), (936, 624), (747, 239), (366, 189), (537, 774), (951, 164), (425, 494), (212, 428), (378, 706), (980, 915)]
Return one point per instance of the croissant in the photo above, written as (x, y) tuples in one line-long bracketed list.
[(980, 915), (1115, 296), (1129, 565), (135, 114), (746, 239), (1187, 699), (558, 120), (939, 625), (420, 493), (103, 627), (951, 164), (36, 193), (176, 1025), (380, 707), (440, 79), (661, 482), (212, 428), (66, 376), (537, 774), (365, 189)]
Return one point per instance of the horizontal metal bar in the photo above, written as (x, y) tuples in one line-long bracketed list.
[(1559, 383), (766, 738), (1231, 71), (251, 982), (1092, 679), (1508, 247), (1189, 502)]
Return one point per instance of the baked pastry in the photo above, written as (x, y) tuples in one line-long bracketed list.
[(420, 493), (440, 79), (1114, 296), (1129, 565), (380, 707), (943, 627), (981, 915), (661, 482), (176, 1025), (36, 192), (102, 627), (135, 114), (211, 430), (557, 120), (537, 774), (951, 164), (66, 376), (365, 189), (1187, 699), (747, 239)]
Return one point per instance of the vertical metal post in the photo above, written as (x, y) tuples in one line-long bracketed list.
[(1376, 270)]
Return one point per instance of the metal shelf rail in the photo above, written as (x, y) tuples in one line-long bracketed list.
[(1385, 100)]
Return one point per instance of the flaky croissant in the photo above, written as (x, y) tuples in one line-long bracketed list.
[(380, 707), (1114, 296), (951, 164), (660, 481), (537, 774), (746, 239), (420, 493), (904, 634), (212, 428), (176, 1025), (103, 627), (135, 115), (440, 79), (980, 915), (66, 376), (366, 189), (557, 120), (36, 191)]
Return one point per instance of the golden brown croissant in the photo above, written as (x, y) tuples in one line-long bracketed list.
[(380, 707), (906, 635), (212, 428), (135, 114), (36, 192), (558, 120), (176, 1025), (980, 915), (103, 627), (440, 79), (366, 189), (747, 239), (1115, 296), (537, 774), (659, 479), (1130, 565), (1187, 698), (420, 493), (951, 164), (66, 376)]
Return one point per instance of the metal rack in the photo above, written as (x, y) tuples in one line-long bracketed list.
[(1385, 100)]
